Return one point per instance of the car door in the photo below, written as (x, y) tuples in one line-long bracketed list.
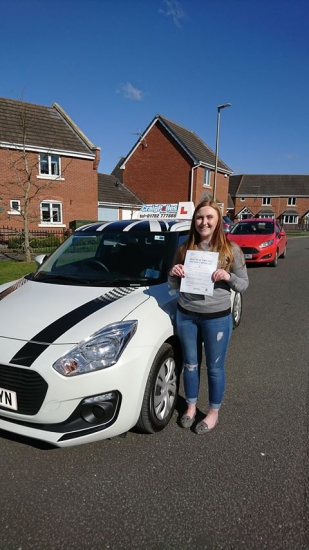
[(279, 238)]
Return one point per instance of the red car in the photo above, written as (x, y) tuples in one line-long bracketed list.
[(262, 240)]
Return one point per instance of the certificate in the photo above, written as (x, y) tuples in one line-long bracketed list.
[(199, 266)]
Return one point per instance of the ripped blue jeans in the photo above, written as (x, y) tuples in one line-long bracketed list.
[(193, 331)]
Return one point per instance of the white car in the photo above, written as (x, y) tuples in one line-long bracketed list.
[(88, 346)]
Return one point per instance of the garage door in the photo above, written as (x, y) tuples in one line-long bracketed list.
[(107, 214)]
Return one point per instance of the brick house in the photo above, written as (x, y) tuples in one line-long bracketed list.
[(285, 197), (116, 201), (169, 164), (44, 156)]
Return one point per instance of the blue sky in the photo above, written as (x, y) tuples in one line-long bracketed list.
[(113, 65)]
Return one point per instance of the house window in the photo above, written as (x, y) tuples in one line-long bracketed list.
[(14, 207), (49, 165), (290, 219), (265, 201), (242, 199), (266, 215), (51, 212), (291, 201), (206, 177)]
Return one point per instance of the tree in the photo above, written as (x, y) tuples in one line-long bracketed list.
[(22, 163)]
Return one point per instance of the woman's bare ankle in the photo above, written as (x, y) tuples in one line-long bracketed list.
[(191, 410), (211, 418)]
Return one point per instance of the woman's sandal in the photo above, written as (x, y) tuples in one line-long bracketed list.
[(186, 421), (202, 428)]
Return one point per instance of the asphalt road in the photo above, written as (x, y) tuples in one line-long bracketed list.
[(243, 486)]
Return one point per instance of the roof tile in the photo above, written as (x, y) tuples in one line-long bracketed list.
[(269, 185), (111, 190), (194, 145), (45, 127)]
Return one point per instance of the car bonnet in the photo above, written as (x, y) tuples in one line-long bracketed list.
[(64, 314), (250, 240)]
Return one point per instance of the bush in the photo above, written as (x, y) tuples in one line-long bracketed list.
[(49, 242), (15, 243), (44, 242)]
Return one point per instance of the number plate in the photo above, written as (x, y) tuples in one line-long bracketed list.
[(248, 256), (8, 399)]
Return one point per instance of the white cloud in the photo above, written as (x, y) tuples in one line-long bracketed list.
[(130, 92), (174, 10)]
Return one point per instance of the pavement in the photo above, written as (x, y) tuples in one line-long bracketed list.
[(6, 254)]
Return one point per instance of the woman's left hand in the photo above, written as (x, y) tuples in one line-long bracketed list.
[(220, 275)]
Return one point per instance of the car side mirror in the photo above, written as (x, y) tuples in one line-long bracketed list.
[(40, 259)]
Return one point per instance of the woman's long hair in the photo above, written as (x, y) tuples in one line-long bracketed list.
[(219, 242)]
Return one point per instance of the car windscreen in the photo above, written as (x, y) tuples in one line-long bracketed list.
[(253, 228), (119, 259)]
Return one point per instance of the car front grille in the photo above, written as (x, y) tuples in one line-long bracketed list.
[(29, 386), (249, 250)]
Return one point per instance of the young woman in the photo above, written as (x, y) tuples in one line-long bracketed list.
[(208, 319)]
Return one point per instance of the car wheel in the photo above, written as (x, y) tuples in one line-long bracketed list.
[(237, 309), (283, 255), (160, 393), (274, 263)]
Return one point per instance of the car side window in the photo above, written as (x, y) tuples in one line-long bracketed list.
[(182, 238)]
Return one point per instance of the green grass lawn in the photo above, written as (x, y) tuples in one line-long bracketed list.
[(11, 270)]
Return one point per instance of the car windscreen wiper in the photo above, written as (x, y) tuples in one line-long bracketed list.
[(49, 277), (125, 281), (45, 277)]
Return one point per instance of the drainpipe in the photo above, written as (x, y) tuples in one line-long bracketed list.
[(191, 183)]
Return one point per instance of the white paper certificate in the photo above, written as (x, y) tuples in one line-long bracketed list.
[(199, 266)]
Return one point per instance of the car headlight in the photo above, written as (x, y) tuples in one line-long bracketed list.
[(267, 243), (99, 351)]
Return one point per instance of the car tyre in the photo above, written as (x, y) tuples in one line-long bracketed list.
[(161, 392), (283, 255), (274, 263), (237, 309)]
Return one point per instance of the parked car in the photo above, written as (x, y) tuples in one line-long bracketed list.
[(88, 346), (262, 240), (227, 224)]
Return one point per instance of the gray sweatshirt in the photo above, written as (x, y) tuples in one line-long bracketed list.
[(221, 299)]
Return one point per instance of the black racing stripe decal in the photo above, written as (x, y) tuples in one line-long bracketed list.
[(11, 289), (28, 353), (31, 351)]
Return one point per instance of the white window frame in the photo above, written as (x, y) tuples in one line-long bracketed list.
[(206, 182), (51, 203), (266, 201), (14, 211), (290, 219), (291, 201), (51, 163), (244, 214), (266, 215)]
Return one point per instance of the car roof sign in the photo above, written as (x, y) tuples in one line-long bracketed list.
[(170, 211)]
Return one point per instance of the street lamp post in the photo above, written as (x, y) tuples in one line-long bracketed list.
[(217, 146)]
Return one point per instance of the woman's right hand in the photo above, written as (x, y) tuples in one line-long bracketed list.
[(177, 271)]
